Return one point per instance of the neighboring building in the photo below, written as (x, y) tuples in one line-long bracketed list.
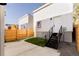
[(25, 22), (12, 26), (54, 15)]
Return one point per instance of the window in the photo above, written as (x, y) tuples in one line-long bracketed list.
[(24, 26), (39, 24)]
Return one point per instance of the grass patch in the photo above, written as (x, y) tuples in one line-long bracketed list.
[(37, 41)]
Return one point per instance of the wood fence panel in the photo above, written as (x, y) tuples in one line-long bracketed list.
[(77, 37), (10, 35), (17, 34)]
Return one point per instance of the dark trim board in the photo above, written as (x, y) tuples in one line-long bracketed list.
[(3, 3)]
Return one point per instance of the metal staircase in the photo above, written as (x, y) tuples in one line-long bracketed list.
[(54, 38)]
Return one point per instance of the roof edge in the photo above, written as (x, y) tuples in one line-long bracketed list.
[(41, 7)]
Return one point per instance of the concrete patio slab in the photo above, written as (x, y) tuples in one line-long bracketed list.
[(21, 48)]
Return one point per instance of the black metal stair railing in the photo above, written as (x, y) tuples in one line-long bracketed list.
[(54, 38), (48, 35), (60, 34)]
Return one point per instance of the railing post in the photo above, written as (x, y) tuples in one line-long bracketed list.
[(45, 37), (49, 33)]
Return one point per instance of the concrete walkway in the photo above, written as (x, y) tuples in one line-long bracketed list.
[(21, 48)]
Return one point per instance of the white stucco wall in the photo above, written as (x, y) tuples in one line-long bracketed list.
[(61, 15), (53, 10), (22, 20), (26, 19), (64, 20), (67, 24), (30, 21), (45, 25)]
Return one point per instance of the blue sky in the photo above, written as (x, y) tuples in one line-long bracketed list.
[(16, 10)]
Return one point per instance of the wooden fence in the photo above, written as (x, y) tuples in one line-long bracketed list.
[(77, 37), (17, 34)]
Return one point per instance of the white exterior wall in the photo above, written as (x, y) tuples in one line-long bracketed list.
[(53, 10), (26, 19), (45, 25), (67, 24), (61, 14), (22, 20), (65, 20), (30, 21)]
